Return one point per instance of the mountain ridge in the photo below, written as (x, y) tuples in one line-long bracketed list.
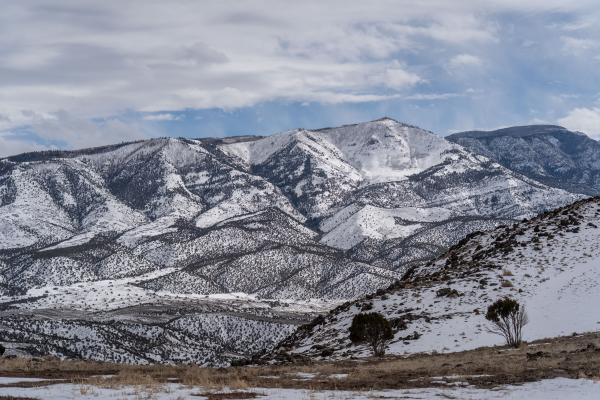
[(550, 154), (278, 225)]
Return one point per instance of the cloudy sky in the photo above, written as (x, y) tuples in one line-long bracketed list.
[(83, 73)]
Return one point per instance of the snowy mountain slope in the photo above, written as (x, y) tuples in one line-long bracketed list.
[(427, 242), (377, 223), (118, 320), (549, 154), (167, 329), (386, 150), (101, 294), (57, 200), (316, 169), (353, 181), (163, 178), (371, 186), (133, 208), (309, 170), (550, 263), (272, 256), (208, 339), (266, 253), (420, 210), (387, 193)]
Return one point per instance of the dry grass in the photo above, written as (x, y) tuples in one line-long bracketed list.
[(572, 356), (51, 368), (506, 283), (143, 382), (233, 378)]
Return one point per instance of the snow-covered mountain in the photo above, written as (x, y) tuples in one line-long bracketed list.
[(391, 193), (549, 263), (137, 230), (382, 190), (547, 153), (168, 203)]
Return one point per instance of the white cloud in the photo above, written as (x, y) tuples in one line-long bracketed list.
[(397, 78), (433, 96), (451, 28), (465, 60), (579, 45), (101, 59), (161, 117), (586, 120)]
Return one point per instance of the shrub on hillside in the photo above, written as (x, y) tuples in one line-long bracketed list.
[(373, 329), (447, 292), (508, 318)]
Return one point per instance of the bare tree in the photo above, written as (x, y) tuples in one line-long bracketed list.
[(508, 318)]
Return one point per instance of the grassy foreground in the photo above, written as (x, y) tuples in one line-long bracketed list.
[(576, 356)]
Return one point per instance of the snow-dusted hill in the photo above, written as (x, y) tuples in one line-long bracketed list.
[(547, 153), (302, 216), (550, 263)]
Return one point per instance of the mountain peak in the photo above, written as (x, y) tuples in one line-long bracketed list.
[(387, 119)]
